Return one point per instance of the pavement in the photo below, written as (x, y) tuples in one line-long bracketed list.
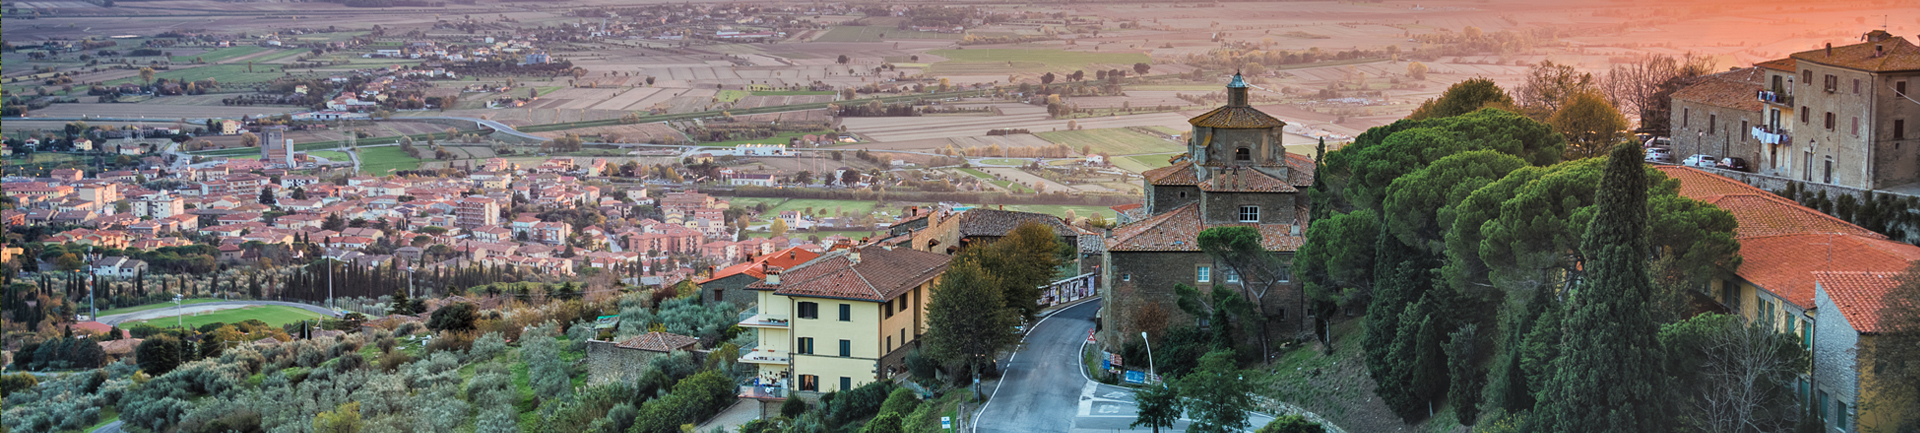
[(1044, 388), (112, 427), (136, 316), (730, 419)]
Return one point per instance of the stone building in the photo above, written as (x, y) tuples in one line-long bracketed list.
[(1235, 173), (1845, 397), (729, 283), (948, 231), (1838, 115), (625, 360)]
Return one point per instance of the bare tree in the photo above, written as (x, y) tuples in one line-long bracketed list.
[(1743, 373), (1548, 86), (1645, 86)]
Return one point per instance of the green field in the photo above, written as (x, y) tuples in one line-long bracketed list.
[(855, 235), (126, 310), (1112, 141), (330, 155), (274, 315), (851, 207), (40, 157), (378, 160), (1059, 210), (874, 34), (1016, 60), (223, 74), (730, 95), (1139, 163), (791, 92), (216, 56)]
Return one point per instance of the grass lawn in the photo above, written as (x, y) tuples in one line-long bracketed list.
[(730, 95), (977, 173), (272, 314), (1113, 141), (378, 160), (791, 234), (331, 155), (1018, 60), (125, 310), (791, 92), (108, 415), (40, 157), (1007, 161), (775, 205), (1011, 187), (874, 34)]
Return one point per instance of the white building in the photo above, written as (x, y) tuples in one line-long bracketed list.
[(753, 180), (760, 150)]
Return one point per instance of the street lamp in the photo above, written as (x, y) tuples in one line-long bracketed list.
[(1143, 339)]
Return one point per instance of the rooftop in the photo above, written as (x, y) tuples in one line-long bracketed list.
[(1887, 54), (1179, 230), (880, 275), (1859, 295), (1732, 89)]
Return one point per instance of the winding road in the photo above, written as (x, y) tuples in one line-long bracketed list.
[(1044, 388)]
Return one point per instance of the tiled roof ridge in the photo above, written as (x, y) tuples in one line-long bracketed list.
[(855, 268), (1776, 198)]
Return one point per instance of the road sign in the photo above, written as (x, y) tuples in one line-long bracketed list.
[(1090, 337), (1106, 365), (1116, 360), (946, 423), (1135, 376)]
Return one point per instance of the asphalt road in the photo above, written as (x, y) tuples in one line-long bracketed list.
[(1044, 389), (117, 319)]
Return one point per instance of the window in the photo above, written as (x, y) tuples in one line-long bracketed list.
[(1233, 276), (1899, 129), (1829, 176), (1285, 274), (806, 346), (886, 310), (903, 303), (846, 383), (1803, 114), (809, 382), (1242, 154), (809, 310), (1686, 117), (1830, 121), (1900, 88), (1820, 412), (1713, 122), (846, 312), (1832, 83), (1203, 274), (1856, 86), (889, 343), (1840, 414), (846, 348), (1742, 132), (1856, 126), (1249, 214), (1126, 277), (1807, 76)]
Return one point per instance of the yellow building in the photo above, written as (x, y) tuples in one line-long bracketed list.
[(844, 319)]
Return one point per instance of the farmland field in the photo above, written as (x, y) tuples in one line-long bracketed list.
[(1113, 141), (851, 207), (379, 160), (1138, 163), (1016, 60), (1059, 210), (223, 74), (216, 56), (874, 33), (274, 315)]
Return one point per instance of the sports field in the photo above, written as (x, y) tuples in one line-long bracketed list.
[(877, 34), (378, 160), (274, 315), (1112, 141), (1000, 61)]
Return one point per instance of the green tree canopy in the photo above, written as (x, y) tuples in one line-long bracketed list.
[(968, 320), (1419, 205), (1590, 124), (1361, 172), (1462, 98), (1217, 395)]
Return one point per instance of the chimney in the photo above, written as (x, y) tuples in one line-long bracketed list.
[(853, 255), (1829, 49), (773, 276), (1879, 50)]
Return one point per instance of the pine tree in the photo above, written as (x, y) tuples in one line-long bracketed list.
[(1608, 376)]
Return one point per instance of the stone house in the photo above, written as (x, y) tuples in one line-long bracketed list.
[(1235, 173), (1846, 397), (948, 231), (609, 361)]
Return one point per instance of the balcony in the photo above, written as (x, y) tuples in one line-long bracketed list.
[(1772, 97), (1776, 136), (765, 321), (759, 355)]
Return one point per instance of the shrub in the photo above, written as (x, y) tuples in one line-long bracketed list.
[(1291, 424), (408, 328), (393, 360), (457, 317), (921, 366), (16, 382), (451, 341), (887, 422), (902, 401), (486, 347), (860, 402), (793, 408)]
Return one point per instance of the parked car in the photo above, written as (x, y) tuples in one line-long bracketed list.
[(1659, 142), (1659, 155), (1735, 164), (1699, 160)]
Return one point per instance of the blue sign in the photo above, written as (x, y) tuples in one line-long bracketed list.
[(1134, 376), (1106, 364)]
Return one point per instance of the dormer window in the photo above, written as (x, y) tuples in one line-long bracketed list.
[(1242, 154)]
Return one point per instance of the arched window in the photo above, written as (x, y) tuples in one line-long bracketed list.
[(1242, 154)]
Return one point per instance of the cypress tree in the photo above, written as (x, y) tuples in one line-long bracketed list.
[(1402, 390), (1608, 376), (1507, 386)]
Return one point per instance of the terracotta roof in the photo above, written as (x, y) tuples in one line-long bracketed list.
[(995, 222), (1244, 180), (1786, 64), (881, 275), (1859, 295), (1785, 265), (1180, 173), (1179, 230), (659, 342), (1759, 212), (1734, 89), (1236, 117), (1301, 169), (1898, 55), (756, 268)]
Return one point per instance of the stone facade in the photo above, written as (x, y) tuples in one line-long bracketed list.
[(731, 288), (1835, 356), (607, 361)]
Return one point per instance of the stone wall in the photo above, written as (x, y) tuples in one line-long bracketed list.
[(1706, 129), (606, 361), (1141, 278), (731, 289), (1224, 208), (1161, 199), (1835, 352)]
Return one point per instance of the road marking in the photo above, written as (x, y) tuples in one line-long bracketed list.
[(975, 425)]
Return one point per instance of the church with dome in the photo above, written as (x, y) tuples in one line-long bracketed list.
[(1236, 172)]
